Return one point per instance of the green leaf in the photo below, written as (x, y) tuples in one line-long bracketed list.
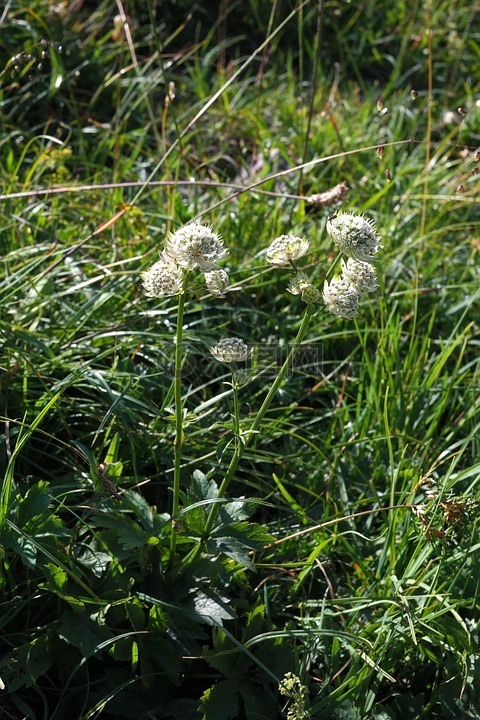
[(211, 608), (159, 652), (232, 548), (250, 534), (96, 560), (132, 536), (144, 512), (232, 512), (149, 518), (25, 549), (157, 618), (35, 502), (201, 488), (259, 702), (32, 660), (57, 578), (220, 702), (85, 632)]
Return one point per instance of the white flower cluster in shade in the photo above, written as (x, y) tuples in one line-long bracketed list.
[(191, 247), (230, 350), (357, 238)]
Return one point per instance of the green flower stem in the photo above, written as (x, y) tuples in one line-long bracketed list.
[(281, 375), (179, 434), (242, 443), (236, 413)]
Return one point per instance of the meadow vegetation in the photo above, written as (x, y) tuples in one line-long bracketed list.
[(294, 535)]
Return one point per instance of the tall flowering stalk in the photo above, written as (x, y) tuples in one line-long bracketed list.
[(197, 247), (282, 251), (191, 247)]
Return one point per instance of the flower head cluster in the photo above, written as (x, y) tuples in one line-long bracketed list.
[(341, 298), (162, 279), (230, 350), (285, 249), (217, 281), (300, 285), (291, 686), (361, 275), (355, 236), (196, 246)]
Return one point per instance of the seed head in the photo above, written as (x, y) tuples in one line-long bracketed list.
[(329, 197)]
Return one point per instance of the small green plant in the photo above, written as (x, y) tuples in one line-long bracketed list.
[(258, 473), (197, 247), (295, 692)]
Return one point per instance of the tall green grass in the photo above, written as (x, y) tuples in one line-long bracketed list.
[(345, 552)]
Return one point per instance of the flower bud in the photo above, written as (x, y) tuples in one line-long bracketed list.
[(298, 283), (217, 281), (311, 294), (361, 275)]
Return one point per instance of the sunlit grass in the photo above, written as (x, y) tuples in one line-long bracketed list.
[(345, 550)]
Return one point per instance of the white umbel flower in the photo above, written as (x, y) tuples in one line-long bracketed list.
[(196, 246), (230, 350), (341, 298), (286, 248), (217, 281), (361, 275), (298, 283), (355, 236), (162, 279)]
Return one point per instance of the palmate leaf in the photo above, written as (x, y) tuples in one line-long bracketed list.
[(251, 535), (210, 608), (31, 661), (85, 632), (232, 512), (35, 502), (146, 514), (220, 702), (201, 488), (232, 548), (238, 539)]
